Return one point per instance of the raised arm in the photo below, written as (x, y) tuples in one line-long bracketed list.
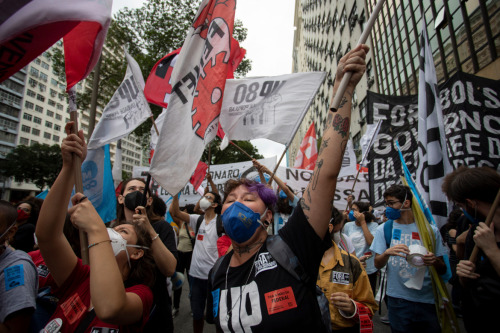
[(263, 169), (212, 184), (176, 212), (56, 251), (318, 198)]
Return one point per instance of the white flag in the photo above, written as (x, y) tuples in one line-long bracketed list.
[(198, 81), (367, 141), (116, 171), (268, 107), (126, 110), (433, 157)]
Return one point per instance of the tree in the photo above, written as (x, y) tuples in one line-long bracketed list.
[(38, 164), (231, 154)]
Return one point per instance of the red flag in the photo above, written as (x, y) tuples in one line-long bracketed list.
[(158, 87), (308, 151), (237, 55), (199, 175), (27, 28)]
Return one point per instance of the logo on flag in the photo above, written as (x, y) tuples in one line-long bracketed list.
[(158, 86)]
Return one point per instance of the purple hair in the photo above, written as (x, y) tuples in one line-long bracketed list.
[(265, 193)]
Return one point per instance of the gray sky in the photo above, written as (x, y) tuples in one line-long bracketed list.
[(269, 44)]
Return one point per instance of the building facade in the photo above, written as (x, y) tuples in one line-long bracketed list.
[(325, 31), (34, 109)]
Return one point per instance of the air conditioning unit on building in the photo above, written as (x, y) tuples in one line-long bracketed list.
[(371, 81)]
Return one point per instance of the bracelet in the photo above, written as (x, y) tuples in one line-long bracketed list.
[(94, 244), (155, 237)]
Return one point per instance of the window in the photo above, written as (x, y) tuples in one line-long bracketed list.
[(29, 105), (38, 61), (343, 18), (37, 120), (50, 113), (27, 116), (54, 82), (362, 110), (40, 98), (51, 102), (353, 17), (55, 138), (38, 108), (53, 93), (339, 52), (58, 117), (45, 65), (43, 77), (42, 87), (335, 19), (24, 141), (34, 71), (25, 128), (47, 135), (32, 82), (33, 142), (48, 124), (35, 131), (57, 127), (30, 93), (59, 106)]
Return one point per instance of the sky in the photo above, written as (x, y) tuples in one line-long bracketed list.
[(269, 45)]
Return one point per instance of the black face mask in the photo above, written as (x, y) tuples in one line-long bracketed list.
[(133, 200)]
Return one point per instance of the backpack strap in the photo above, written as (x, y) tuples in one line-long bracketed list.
[(285, 257), (388, 225), (215, 268), (198, 224), (220, 228)]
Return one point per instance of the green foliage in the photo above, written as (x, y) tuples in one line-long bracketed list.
[(38, 164), (231, 154)]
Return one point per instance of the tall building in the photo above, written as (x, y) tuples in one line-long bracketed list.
[(325, 31), (464, 36), (34, 109)]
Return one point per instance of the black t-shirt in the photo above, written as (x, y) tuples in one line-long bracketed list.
[(161, 319), (24, 239), (263, 296)]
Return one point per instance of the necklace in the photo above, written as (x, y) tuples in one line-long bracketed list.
[(241, 293)]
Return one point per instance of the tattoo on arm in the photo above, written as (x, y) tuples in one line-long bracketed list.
[(324, 144), (309, 195), (341, 125), (304, 206), (342, 102), (315, 177), (343, 146)]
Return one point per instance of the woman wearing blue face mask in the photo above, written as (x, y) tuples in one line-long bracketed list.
[(248, 289), (114, 290)]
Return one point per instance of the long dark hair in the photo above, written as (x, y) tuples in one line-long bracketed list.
[(364, 208), (120, 208), (35, 210), (142, 270)]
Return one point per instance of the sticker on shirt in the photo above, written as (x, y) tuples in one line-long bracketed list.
[(216, 297), (200, 237), (264, 262), (104, 330), (415, 235), (53, 326), (396, 234), (14, 277), (280, 300), (340, 277), (73, 308), (43, 271)]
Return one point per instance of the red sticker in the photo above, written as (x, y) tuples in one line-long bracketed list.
[(280, 300), (368, 253), (73, 308), (200, 237), (415, 235)]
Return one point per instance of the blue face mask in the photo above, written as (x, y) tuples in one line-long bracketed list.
[(470, 217), (240, 222), (392, 213), (351, 216)]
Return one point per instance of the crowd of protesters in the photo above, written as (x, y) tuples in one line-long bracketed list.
[(256, 259)]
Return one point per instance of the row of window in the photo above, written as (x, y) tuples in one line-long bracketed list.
[(25, 141)]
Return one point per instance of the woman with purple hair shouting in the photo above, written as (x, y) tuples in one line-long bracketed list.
[(252, 289)]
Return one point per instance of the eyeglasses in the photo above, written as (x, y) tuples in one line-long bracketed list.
[(390, 203)]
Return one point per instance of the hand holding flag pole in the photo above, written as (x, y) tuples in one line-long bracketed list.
[(276, 167), (362, 39), (77, 165), (489, 219)]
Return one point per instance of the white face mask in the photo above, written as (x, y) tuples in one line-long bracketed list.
[(118, 243), (205, 204)]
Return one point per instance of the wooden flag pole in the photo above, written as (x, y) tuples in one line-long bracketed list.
[(489, 219), (77, 170), (154, 125), (276, 167), (241, 149), (209, 157), (362, 39)]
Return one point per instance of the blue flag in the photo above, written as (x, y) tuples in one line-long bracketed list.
[(98, 182)]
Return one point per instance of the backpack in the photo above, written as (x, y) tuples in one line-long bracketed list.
[(389, 225), (218, 222), (285, 257)]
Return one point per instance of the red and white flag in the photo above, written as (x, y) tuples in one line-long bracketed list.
[(198, 81), (308, 151), (29, 27)]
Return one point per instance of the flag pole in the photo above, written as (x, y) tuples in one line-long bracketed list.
[(154, 125), (276, 167), (241, 149), (362, 39), (489, 218), (209, 157), (77, 170)]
